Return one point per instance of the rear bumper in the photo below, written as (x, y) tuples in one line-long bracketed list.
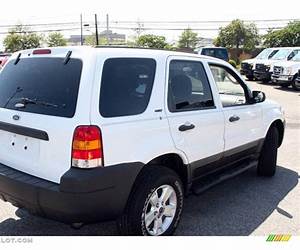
[(262, 75), (83, 195)]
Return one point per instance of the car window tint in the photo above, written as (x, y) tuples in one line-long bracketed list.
[(126, 86), (49, 82)]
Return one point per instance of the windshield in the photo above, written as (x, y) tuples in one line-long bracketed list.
[(296, 56), (264, 54), (220, 53), (282, 54), (41, 85)]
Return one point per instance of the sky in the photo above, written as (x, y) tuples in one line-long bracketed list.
[(32, 11)]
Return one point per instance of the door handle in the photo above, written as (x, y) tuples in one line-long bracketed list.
[(186, 126), (234, 118)]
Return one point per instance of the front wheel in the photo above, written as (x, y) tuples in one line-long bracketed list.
[(268, 155), (296, 85), (250, 78), (155, 204)]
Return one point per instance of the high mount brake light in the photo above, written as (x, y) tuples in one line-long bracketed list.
[(41, 52), (87, 147)]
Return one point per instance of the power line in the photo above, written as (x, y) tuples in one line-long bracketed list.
[(150, 22), (210, 21), (126, 28)]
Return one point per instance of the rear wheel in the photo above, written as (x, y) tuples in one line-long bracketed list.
[(155, 205), (268, 156)]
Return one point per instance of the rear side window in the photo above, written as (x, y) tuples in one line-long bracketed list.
[(126, 86), (41, 85)]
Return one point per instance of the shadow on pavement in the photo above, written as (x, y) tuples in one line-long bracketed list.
[(289, 89), (235, 207)]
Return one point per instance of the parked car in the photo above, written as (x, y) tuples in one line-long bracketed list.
[(248, 66), (264, 70), (217, 52), (286, 72), (93, 134)]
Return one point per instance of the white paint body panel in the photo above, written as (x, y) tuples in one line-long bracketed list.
[(137, 138)]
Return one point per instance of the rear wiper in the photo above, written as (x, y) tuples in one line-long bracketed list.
[(24, 101)]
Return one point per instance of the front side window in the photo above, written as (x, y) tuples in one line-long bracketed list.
[(189, 88), (126, 86), (230, 90)]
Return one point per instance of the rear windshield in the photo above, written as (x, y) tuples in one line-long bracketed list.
[(126, 86), (41, 85), (216, 52)]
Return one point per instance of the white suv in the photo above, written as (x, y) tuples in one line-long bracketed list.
[(92, 134), (264, 70), (248, 66), (286, 72)]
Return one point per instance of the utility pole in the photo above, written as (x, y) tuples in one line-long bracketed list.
[(107, 29), (96, 27), (81, 35)]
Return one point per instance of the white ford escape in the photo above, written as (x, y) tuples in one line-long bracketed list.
[(91, 134)]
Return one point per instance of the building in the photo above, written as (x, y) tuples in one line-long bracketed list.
[(113, 37), (75, 40)]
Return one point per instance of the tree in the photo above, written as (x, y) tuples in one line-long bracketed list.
[(188, 39), (152, 41), (237, 35), (289, 36), (56, 39), (20, 38)]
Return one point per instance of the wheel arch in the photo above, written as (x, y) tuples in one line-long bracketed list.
[(279, 124), (176, 163)]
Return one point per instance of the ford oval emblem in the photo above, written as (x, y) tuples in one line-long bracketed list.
[(16, 117)]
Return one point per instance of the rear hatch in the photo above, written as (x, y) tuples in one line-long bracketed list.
[(39, 103)]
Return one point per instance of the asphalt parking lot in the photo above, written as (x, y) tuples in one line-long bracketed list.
[(244, 205)]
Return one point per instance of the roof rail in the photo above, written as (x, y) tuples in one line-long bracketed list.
[(137, 47)]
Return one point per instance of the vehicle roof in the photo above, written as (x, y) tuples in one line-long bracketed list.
[(110, 51)]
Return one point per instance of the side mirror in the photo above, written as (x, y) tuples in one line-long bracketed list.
[(258, 96)]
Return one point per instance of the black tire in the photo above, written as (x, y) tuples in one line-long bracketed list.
[(265, 81), (250, 78), (268, 155), (152, 177), (296, 84)]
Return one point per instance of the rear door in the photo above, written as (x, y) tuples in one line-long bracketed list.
[(196, 121), (38, 101)]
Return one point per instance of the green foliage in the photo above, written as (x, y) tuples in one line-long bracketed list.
[(232, 62), (56, 39), (286, 37), (20, 38), (152, 41), (188, 39), (237, 34)]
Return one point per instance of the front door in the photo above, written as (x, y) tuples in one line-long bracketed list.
[(243, 121), (196, 123)]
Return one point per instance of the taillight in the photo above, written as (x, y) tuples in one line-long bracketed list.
[(87, 147)]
